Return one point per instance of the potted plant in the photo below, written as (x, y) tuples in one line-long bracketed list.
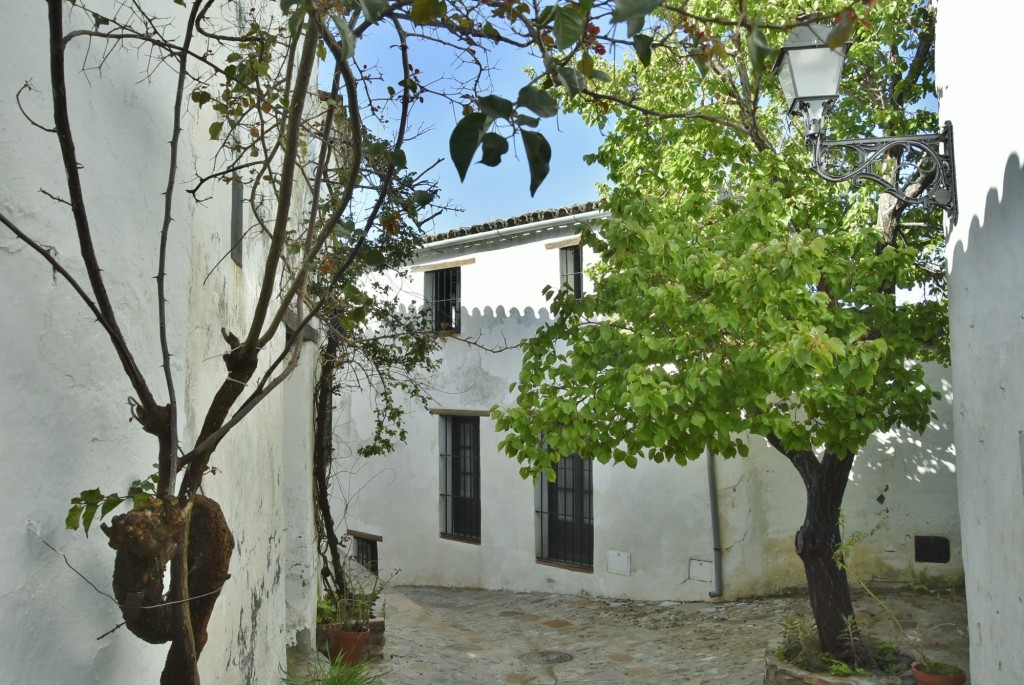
[(931, 672), (348, 613), (348, 631)]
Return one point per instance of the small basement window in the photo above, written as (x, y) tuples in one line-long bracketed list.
[(365, 550)]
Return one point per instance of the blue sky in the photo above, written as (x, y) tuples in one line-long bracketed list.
[(488, 192)]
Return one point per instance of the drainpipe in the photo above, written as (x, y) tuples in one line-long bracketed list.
[(716, 533)]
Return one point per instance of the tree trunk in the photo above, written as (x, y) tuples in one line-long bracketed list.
[(323, 450), (817, 543)]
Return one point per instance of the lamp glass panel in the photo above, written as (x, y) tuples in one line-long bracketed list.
[(785, 71), (816, 72)]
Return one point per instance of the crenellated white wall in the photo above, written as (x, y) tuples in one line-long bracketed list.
[(64, 417), (902, 485), (977, 68)]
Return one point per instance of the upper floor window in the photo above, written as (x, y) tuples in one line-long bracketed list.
[(460, 477), (571, 268), (443, 294)]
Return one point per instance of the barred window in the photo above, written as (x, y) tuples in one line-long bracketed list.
[(460, 477), (565, 519), (443, 295), (365, 552), (571, 268)]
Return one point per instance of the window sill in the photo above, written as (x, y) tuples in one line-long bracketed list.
[(566, 567), (459, 538)]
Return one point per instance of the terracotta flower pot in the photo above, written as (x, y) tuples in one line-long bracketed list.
[(923, 678), (349, 644)]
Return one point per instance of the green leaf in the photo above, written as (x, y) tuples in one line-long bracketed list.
[(110, 504), (91, 496), (537, 101), (74, 517), (598, 75), (632, 9), (635, 25), (841, 32), (586, 64), (426, 11), (373, 257), (569, 27), (759, 50), (295, 23), (642, 45), (496, 107), (573, 81), (346, 38), (215, 128), (527, 120), (545, 14), (344, 228), (88, 515), (494, 146), (398, 158), (465, 139), (538, 156), (373, 9), (422, 198)]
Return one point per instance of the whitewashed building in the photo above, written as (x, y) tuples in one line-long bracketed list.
[(64, 414), (448, 508), (979, 87)]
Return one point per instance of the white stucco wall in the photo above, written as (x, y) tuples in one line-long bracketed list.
[(902, 485), (64, 416), (977, 68)]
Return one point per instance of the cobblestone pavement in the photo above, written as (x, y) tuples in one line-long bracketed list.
[(440, 636)]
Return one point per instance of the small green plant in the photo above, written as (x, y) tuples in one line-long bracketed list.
[(938, 667), (337, 673), (843, 669), (353, 608), (84, 507), (800, 645)]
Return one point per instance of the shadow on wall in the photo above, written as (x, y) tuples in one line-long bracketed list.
[(983, 288), (923, 456)]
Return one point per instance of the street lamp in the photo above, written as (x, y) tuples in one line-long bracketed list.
[(809, 72)]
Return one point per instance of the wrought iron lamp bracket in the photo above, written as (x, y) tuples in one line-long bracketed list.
[(925, 173)]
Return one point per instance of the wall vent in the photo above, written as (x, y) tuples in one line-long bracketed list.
[(931, 549)]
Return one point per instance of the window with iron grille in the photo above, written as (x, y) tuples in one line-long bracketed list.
[(366, 553), (443, 294), (460, 477), (565, 520), (571, 268)]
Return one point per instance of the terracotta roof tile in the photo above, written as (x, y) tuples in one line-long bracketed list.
[(520, 220)]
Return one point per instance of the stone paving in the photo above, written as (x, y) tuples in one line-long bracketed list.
[(444, 636)]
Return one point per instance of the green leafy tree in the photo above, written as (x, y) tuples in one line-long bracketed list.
[(737, 294)]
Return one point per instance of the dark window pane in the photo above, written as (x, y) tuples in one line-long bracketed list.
[(460, 476), (443, 291), (566, 525), (571, 268)]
